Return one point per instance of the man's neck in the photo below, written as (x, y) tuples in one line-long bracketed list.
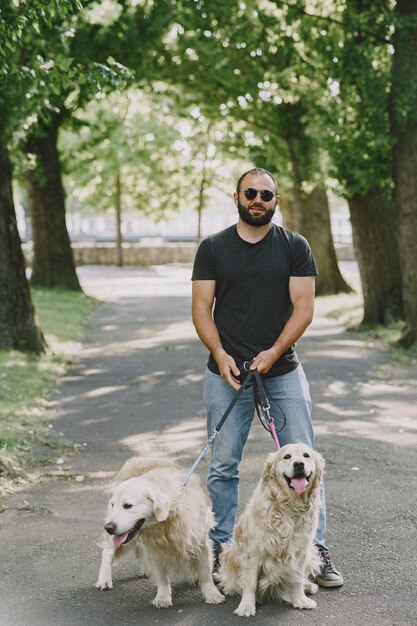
[(252, 234)]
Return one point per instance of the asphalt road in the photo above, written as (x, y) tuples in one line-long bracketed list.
[(135, 388)]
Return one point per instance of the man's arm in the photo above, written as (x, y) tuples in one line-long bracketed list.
[(203, 293), (302, 299)]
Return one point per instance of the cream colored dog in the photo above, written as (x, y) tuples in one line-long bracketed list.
[(166, 524), (273, 552)]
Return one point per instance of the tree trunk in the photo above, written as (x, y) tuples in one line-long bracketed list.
[(404, 129), (200, 203), (376, 250), (286, 207), (18, 327), (311, 218), (53, 262), (314, 224), (405, 168), (118, 208), (297, 203), (316, 227)]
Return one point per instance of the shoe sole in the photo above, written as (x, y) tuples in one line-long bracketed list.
[(329, 583)]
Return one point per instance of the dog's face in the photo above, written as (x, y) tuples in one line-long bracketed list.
[(295, 467), (134, 503)]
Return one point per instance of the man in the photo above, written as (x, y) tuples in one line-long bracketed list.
[(253, 298)]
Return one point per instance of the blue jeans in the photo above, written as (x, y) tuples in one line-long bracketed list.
[(291, 393)]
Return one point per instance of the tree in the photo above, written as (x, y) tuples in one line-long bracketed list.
[(75, 76), (310, 206), (53, 262), (79, 53), (403, 116), (354, 50), (18, 326), (137, 151)]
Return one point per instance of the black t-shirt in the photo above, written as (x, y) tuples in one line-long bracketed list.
[(252, 301)]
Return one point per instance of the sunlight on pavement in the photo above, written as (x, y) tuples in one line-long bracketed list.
[(102, 391), (184, 437), (113, 283), (380, 429)]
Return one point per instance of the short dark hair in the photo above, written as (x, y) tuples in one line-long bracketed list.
[(257, 171)]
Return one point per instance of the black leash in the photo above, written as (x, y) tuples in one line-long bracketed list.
[(262, 406)]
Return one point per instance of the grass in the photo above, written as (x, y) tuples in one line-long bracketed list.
[(348, 310), (28, 382)]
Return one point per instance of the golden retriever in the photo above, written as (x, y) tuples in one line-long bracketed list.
[(273, 552), (166, 524)]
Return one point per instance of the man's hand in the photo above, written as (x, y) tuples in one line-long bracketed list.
[(264, 361), (228, 369)]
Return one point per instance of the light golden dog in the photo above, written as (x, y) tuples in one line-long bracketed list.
[(273, 552), (166, 524)]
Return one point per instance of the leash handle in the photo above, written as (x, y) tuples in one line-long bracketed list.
[(265, 407)]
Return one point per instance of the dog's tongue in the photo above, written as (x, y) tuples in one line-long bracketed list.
[(119, 539), (299, 484)]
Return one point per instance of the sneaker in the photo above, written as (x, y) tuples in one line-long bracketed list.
[(328, 575)]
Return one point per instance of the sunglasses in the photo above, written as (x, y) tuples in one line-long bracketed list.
[(251, 193)]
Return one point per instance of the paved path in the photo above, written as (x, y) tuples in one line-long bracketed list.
[(136, 388)]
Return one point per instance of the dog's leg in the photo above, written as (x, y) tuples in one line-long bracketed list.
[(249, 581), (293, 593), (104, 576), (163, 596), (209, 590), (311, 568)]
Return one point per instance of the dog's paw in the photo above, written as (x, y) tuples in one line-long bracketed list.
[(212, 595), (311, 588), (104, 585), (245, 610), (162, 602), (305, 603)]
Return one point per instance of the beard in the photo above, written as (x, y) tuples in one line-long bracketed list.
[(255, 220)]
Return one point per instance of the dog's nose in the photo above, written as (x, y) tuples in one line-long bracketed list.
[(298, 466), (110, 528)]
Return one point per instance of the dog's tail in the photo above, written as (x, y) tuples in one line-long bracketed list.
[(228, 575)]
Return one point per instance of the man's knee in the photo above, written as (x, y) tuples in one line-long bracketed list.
[(223, 469)]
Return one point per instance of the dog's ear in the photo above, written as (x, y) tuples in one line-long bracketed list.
[(320, 463), (267, 471), (161, 504)]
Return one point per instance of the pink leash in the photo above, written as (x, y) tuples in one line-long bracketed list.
[(265, 407), (273, 432)]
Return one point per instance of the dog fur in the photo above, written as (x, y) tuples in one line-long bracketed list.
[(273, 552), (172, 540)]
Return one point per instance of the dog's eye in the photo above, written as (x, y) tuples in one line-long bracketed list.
[(287, 456), (306, 455), (127, 505)]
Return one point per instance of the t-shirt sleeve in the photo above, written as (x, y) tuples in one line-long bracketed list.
[(302, 258), (204, 268)]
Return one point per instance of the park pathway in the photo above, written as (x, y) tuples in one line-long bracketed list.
[(135, 388)]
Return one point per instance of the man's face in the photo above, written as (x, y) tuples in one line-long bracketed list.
[(256, 212)]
